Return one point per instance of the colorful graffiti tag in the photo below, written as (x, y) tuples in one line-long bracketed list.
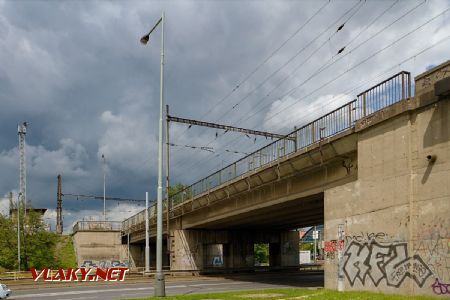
[(440, 288)]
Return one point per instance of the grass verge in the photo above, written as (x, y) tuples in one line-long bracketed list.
[(297, 294), (64, 253)]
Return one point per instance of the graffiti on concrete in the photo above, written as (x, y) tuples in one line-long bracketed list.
[(331, 247), (366, 236), (440, 288), (217, 261), (104, 264), (377, 262), (433, 245)]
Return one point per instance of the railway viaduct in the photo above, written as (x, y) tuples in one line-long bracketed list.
[(375, 172)]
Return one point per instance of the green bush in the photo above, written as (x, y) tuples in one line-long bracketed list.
[(37, 245)]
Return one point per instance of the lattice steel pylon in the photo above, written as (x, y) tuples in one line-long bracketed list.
[(22, 131)]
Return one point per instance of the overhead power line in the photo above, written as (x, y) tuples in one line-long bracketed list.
[(352, 10), (360, 62), (326, 65), (366, 59), (225, 127), (240, 83), (209, 149), (271, 75), (101, 197)]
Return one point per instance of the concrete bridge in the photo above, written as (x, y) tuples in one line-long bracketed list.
[(375, 172)]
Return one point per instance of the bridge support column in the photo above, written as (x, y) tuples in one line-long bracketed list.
[(186, 250), (203, 250)]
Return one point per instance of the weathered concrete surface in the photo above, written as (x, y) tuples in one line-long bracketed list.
[(396, 214), (100, 249), (205, 249), (374, 180), (279, 195)]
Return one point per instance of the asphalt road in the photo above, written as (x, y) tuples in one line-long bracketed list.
[(175, 287)]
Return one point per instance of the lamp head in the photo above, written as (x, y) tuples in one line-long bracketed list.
[(145, 39)]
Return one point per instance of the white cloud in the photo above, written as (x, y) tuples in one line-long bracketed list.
[(284, 115), (126, 142), (77, 72)]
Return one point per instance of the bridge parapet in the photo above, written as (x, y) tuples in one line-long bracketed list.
[(97, 226), (384, 94)]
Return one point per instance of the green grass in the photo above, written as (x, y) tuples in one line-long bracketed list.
[(64, 253), (297, 294)]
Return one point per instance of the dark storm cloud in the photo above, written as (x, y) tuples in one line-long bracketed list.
[(76, 71)]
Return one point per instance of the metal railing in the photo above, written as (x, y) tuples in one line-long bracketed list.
[(139, 218), (97, 226), (386, 93)]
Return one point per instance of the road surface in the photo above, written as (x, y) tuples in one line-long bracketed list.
[(174, 286)]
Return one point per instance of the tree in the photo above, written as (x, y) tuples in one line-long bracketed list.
[(179, 192), (8, 244), (262, 253), (37, 244)]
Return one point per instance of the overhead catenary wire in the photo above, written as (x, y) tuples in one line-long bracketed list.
[(357, 5), (272, 54), (365, 60), (358, 64), (204, 148), (247, 117), (377, 76), (327, 65), (94, 197)]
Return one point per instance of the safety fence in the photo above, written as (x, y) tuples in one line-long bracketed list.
[(384, 94), (97, 226)]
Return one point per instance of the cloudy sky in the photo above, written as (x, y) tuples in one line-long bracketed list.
[(75, 70)]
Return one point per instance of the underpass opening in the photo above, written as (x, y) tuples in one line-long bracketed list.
[(214, 258), (265, 238), (261, 254)]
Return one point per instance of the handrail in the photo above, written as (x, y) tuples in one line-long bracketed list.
[(379, 96)]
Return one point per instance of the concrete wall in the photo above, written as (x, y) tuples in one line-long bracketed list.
[(100, 249), (396, 215), (191, 249)]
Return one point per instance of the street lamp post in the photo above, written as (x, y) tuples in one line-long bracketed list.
[(18, 229), (147, 246), (160, 290)]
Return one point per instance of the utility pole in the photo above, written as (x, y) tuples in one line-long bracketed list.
[(22, 131), (160, 285), (104, 187), (315, 237), (59, 222), (11, 203), (18, 229), (147, 246), (168, 204)]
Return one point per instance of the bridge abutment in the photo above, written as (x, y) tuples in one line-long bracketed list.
[(394, 217)]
